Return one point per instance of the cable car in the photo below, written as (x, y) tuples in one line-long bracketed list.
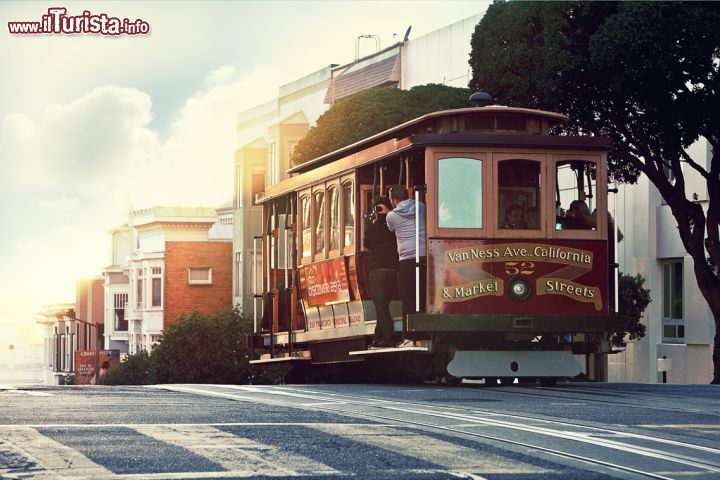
[(519, 266)]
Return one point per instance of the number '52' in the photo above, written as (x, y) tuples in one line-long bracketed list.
[(519, 268)]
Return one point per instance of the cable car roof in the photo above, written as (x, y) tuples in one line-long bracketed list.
[(551, 118)]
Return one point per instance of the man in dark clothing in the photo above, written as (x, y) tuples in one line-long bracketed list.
[(401, 221), (383, 272)]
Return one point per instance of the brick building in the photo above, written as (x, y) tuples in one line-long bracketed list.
[(72, 327), (178, 260)]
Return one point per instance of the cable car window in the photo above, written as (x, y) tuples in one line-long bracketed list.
[(306, 227), (348, 214), (474, 123), (460, 193), (574, 195), (519, 195), (319, 217), (511, 122), (334, 218)]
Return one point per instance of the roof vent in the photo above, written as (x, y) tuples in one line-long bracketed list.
[(481, 98)]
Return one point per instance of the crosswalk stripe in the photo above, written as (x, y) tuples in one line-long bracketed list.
[(51, 459), (446, 454), (236, 453)]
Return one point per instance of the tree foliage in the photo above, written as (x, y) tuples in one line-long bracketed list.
[(198, 349), (371, 111), (645, 74), (203, 349), (135, 370), (633, 299)]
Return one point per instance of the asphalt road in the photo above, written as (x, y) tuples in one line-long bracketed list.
[(578, 430)]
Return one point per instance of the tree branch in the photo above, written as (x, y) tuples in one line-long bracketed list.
[(697, 167)]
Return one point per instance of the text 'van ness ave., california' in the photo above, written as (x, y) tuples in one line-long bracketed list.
[(521, 251)]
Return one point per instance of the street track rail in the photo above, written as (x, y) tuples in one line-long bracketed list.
[(593, 396), (638, 451)]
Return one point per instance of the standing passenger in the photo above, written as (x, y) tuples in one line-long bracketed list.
[(383, 271), (401, 220)]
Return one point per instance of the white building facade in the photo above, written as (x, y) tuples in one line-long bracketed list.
[(680, 326)]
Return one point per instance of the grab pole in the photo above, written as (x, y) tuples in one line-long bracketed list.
[(417, 251)]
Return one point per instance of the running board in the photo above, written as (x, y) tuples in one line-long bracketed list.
[(488, 363), (385, 351), (305, 357)]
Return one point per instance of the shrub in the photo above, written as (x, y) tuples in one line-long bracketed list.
[(203, 349), (633, 299), (134, 370)]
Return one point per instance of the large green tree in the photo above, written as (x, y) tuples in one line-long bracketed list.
[(371, 111), (645, 74)]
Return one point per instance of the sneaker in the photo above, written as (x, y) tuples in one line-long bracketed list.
[(406, 343)]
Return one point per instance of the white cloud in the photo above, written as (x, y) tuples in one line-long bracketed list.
[(195, 165), (220, 75), (82, 164), (100, 147), (88, 145)]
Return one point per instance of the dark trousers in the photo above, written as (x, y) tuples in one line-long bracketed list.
[(406, 284), (382, 284)]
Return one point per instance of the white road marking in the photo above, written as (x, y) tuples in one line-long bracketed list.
[(398, 473), (9, 389), (236, 453), (459, 459), (52, 459), (138, 425)]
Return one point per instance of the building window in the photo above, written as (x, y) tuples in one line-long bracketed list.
[(673, 323), (291, 148), (258, 186), (460, 193), (200, 275), (238, 273), (156, 286), (274, 166), (157, 292), (237, 201), (120, 303), (140, 293)]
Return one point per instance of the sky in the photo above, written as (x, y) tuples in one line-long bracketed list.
[(94, 125)]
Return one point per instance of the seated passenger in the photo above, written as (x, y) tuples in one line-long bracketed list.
[(514, 218), (578, 216), (533, 218)]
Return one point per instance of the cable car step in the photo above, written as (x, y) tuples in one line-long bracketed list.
[(303, 356), (391, 350)]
